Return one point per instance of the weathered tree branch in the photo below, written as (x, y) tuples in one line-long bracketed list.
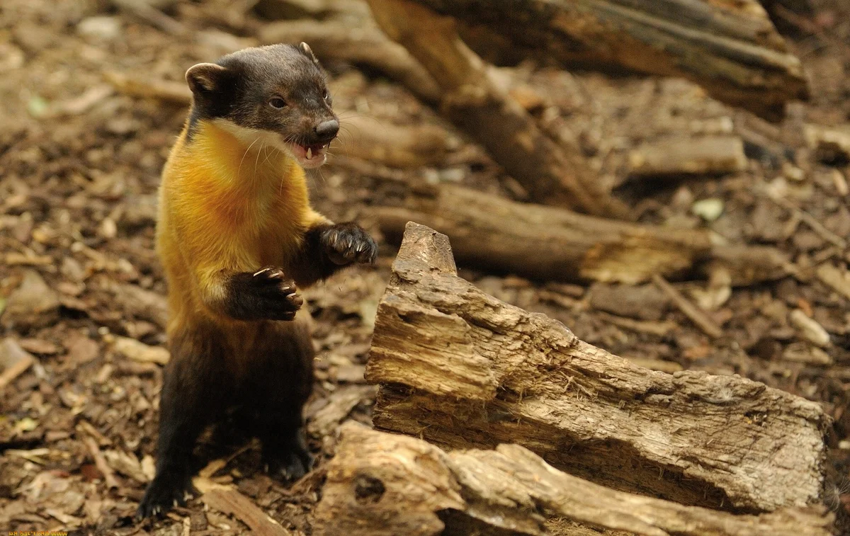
[(410, 146), (730, 48), (553, 244), (553, 174), (386, 484), (460, 368)]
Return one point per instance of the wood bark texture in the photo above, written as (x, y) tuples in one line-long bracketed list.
[(385, 484), (553, 174), (730, 48), (411, 146), (701, 156), (462, 369), (548, 243)]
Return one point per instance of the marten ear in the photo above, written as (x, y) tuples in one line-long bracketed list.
[(305, 48), (205, 77)]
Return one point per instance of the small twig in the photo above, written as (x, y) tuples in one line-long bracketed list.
[(87, 428), (218, 464), (641, 326), (810, 220), (9, 375), (693, 312), (29, 455), (20, 360), (100, 462), (150, 14), (227, 500)]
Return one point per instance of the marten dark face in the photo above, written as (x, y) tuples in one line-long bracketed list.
[(275, 95)]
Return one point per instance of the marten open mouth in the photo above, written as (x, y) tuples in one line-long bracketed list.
[(310, 156)]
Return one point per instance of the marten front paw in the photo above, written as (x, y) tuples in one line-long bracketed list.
[(165, 492), (288, 459), (346, 243), (291, 464), (264, 294)]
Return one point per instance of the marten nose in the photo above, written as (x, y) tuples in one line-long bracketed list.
[(326, 130)]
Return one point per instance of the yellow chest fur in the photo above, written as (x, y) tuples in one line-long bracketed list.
[(227, 206)]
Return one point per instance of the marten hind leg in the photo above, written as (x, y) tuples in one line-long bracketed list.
[(278, 385), (194, 386)]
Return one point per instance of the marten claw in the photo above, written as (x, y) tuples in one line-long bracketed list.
[(164, 494), (291, 464), (264, 294), (347, 243)]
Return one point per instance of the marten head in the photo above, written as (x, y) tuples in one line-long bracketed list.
[(272, 96)]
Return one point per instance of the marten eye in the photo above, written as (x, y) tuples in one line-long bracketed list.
[(326, 96), (277, 102)]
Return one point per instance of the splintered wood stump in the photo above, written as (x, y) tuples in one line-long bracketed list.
[(385, 484), (730, 48), (462, 369), (548, 243)]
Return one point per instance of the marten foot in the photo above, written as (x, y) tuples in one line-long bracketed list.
[(264, 294), (290, 461), (347, 243), (165, 492)]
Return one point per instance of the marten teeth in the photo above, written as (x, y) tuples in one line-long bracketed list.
[(309, 153)]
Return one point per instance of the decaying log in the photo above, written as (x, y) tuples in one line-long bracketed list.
[(730, 48), (462, 369), (548, 243), (702, 155), (386, 484), (142, 86), (832, 145), (552, 174), (410, 146), (361, 46)]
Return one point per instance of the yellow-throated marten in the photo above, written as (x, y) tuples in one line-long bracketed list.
[(236, 235)]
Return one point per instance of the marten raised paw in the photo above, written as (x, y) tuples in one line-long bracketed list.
[(347, 243)]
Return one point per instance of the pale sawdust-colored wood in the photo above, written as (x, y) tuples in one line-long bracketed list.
[(549, 243), (383, 484), (731, 49), (461, 368)]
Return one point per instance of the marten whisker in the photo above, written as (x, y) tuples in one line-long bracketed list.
[(344, 114), (268, 154), (257, 161), (246, 154)]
